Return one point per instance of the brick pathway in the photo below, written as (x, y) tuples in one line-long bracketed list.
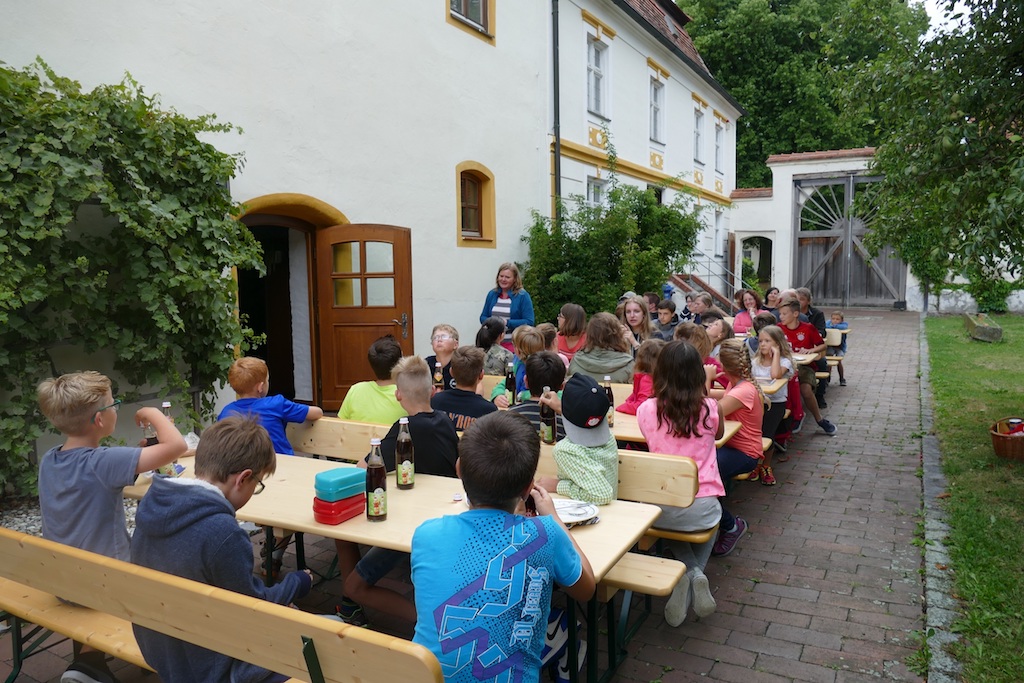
[(826, 586)]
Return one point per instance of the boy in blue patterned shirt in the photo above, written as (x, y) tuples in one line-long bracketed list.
[(482, 604)]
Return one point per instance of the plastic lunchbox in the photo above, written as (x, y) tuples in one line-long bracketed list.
[(338, 511), (341, 482)]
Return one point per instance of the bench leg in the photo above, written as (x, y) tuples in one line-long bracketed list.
[(21, 648)]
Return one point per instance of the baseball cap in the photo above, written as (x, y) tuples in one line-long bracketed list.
[(584, 411), (628, 295)]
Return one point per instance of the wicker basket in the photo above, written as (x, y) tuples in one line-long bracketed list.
[(1009, 446)]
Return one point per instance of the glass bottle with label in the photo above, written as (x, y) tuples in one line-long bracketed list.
[(405, 461), (438, 377), (510, 385), (547, 421), (611, 400), (376, 485)]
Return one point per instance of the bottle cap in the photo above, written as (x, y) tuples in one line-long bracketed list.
[(165, 404), (607, 378), (547, 389), (375, 441), (402, 421)]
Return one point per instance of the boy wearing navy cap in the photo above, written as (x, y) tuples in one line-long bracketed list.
[(587, 458)]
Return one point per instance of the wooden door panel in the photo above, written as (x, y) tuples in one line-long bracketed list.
[(363, 290)]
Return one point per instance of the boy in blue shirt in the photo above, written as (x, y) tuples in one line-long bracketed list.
[(482, 603), (250, 379), (81, 482), (838, 322)]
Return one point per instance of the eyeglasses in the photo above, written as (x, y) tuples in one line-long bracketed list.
[(115, 405), (259, 487), (440, 337)]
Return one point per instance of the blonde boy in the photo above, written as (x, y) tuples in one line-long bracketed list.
[(81, 482), (250, 379), (444, 339)]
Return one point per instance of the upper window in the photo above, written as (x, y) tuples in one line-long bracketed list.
[(475, 196), (698, 136), (597, 87), (719, 148), (657, 110), (475, 17)]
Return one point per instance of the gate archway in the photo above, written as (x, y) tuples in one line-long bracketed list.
[(831, 216)]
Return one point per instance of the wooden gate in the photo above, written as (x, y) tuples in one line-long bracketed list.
[(831, 216)]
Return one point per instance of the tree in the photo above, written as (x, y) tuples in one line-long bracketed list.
[(953, 195), (151, 287), (781, 59), (595, 253)]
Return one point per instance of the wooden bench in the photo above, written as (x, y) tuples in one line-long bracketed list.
[(335, 438), (115, 594), (647, 478)]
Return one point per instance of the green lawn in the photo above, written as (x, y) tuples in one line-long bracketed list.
[(976, 383)]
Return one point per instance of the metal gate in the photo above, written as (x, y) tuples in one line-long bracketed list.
[(831, 215)]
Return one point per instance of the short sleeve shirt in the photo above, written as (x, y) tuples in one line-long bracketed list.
[(371, 402), (81, 500), (750, 416), (273, 412), (803, 337), (701, 448), (483, 584)]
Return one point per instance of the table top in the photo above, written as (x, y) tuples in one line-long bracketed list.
[(627, 429), (770, 387), (287, 502)]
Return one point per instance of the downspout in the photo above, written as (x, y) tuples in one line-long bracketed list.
[(557, 128)]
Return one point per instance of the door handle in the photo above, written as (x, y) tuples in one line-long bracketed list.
[(404, 322)]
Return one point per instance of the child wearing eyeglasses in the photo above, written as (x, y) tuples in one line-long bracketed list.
[(444, 339), (187, 527), (81, 482)]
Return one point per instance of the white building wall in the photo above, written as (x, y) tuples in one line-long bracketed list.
[(366, 106)]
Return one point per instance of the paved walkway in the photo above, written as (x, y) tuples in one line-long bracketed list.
[(827, 585)]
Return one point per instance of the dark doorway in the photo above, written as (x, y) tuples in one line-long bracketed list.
[(266, 304)]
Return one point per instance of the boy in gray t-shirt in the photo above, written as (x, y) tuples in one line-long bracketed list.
[(81, 482)]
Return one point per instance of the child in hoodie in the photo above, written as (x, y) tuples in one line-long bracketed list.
[(187, 527), (606, 352)]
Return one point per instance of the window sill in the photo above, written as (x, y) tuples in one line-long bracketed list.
[(471, 27), (476, 241)]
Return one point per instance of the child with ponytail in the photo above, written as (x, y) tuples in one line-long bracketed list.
[(745, 402)]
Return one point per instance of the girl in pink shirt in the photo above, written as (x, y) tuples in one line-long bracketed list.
[(643, 381), (743, 401), (682, 420)]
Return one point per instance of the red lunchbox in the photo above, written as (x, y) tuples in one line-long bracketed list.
[(340, 510)]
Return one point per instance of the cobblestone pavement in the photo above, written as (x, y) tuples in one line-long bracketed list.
[(825, 587)]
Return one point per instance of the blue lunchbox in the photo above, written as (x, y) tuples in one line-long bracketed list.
[(341, 482)]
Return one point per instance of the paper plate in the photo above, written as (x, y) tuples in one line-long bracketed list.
[(574, 511)]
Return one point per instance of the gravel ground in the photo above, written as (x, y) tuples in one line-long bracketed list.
[(22, 514)]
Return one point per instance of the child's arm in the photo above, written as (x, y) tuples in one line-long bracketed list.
[(171, 444), (314, 413), (583, 589), (778, 372)]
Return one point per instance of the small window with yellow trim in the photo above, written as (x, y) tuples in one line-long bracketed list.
[(473, 16), (476, 217)]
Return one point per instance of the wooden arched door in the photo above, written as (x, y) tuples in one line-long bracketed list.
[(363, 292)]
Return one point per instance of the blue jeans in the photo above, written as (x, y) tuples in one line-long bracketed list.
[(731, 462)]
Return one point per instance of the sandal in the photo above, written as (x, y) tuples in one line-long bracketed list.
[(767, 477)]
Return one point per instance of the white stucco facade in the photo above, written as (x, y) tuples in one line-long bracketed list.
[(368, 108)]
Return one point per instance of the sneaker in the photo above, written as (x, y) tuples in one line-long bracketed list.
[(679, 602), (829, 428), (562, 674), (83, 672), (351, 613), (556, 637), (727, 540), (767, 476), (842, 382), (754, 474), (703, 602), (795, 429)]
